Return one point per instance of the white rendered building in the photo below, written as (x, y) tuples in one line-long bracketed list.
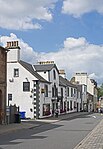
[(71, 95), (38, 89), (49, 71), (83, 78), (25, 87)]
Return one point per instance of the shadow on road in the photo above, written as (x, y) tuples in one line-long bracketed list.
[(7, 139), (31, 133)]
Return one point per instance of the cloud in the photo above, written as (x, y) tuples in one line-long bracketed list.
[(23, 15), (71, 43), (79, 7), (27, 52), (77, 55)]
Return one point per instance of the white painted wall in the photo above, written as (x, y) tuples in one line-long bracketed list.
[(43, 99), (84, 79), (90, 87), (84, 93), (19, 97), (13, 55), (44, 74), (50, 74)]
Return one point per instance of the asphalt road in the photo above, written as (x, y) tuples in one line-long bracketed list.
[(65, 134)]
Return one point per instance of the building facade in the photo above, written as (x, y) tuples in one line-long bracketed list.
[(71, 96), (49, 71), (41, 89), (91, 97), (24, 85)]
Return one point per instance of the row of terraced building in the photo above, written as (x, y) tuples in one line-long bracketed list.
[(41, 89)]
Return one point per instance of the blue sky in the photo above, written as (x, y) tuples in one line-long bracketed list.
[(70, 32)]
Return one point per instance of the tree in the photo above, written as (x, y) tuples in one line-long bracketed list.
[(100, 91)]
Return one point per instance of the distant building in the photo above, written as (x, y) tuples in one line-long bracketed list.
[(83, 78), (70, 96), (3, 84)]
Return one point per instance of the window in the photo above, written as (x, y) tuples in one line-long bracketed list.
[(16, 72), (67, 105), (46, 109), (71, 92), (54, 74), (61, 92), (85, 89), (75, 105), (26, 86), (46, 90), (74, 91), (68, 91), (9, 96), (52, 91), (71, 105), (56, 92), (78, 94)]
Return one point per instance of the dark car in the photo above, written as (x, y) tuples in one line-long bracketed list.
[(101, 110)]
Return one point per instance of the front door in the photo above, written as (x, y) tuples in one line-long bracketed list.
[(77, 106)]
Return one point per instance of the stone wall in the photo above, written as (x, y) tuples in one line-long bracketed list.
[(3, 71)]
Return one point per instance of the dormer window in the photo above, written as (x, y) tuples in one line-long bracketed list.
[(54, 74), (16, 72)]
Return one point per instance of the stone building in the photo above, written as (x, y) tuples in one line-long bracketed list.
[(3, 71)]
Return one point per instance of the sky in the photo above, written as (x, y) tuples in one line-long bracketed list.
[(68, 32)]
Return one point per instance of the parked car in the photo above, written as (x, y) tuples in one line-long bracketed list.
[(101, 110)]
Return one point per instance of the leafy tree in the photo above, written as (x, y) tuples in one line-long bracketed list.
[(100, 91)]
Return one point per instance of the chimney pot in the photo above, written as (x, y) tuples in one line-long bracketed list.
[(12, 44)]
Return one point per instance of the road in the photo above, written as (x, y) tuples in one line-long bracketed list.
[(64, 134)]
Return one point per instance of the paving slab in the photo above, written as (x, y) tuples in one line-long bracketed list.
[(94, 140)]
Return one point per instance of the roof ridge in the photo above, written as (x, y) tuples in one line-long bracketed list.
[(32, 71)]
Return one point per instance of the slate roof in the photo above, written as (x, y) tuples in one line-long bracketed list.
[(29, 67), (65, 82), (45, 67)]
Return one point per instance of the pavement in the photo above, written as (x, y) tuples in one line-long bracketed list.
[(94, 140)]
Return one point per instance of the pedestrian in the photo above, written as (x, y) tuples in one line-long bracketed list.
[(56, 113)]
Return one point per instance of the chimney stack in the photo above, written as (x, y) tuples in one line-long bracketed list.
[(14, 51), (12, 45), (62, 73), (46, 62)]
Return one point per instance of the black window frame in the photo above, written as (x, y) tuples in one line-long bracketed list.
[(71, 92), (53, 95), (16, 72), (61, 92), (26, 88), (54, 74), (46, 90), (68, 92)]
